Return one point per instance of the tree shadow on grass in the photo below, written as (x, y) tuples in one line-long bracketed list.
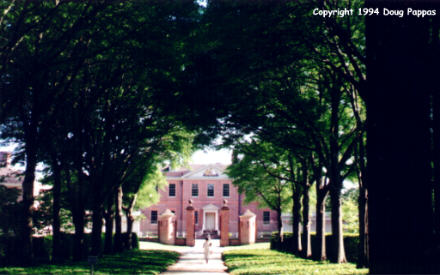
[(128, 262), (274, 262)]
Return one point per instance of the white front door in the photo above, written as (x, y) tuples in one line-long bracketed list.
[(210, 221)]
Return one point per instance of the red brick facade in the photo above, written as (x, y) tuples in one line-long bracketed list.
[(207, 203)]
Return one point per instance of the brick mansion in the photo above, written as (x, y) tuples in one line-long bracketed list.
[(207, 186)]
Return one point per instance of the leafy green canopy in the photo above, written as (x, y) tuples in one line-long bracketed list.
[(258, 172)]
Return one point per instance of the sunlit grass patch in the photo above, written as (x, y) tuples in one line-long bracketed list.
[(128, 262), (265, 261), (249, 246), (159, 246)]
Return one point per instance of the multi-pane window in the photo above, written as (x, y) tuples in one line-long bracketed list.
[(172, 190), (195, 190), (196, 217), (210, 190), (266, 217), (153, 216), (225, 190)]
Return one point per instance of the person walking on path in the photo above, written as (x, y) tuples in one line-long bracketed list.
[(192, 259), (206, 246)]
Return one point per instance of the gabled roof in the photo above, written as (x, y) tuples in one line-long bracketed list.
[(209, 171)]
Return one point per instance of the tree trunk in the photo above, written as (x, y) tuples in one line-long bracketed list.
[(321, 253), (78, 216), (337, 229), (28, 203), (335, 185), (280, 224), (363, 253), (130, 221), (108, 217), (363, 228), (118, 219), (96, 228), (56, 241), (78, 212), (436, 136), (307, 243), (297, 220), (398, 145), (436, 160), (97, 216)]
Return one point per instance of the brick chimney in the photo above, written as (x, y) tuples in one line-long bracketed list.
[(5, 158)]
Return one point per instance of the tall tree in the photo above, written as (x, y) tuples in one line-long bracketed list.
[(281, 83), (258, 172), (32, 81), (398, 69)]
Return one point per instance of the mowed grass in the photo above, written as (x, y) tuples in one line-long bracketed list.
[(160, 246), (266, 261), (249, 246), (128, 262)]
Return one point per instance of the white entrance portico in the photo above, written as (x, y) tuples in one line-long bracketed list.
[(210, 217)]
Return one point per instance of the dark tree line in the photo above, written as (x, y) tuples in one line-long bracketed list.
[(94, 90), (402, 140), (298, 80)]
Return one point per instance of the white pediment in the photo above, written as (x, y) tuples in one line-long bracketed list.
[(207, 172), (210, 207), (211, 172)]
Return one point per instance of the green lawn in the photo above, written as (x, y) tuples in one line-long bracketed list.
[(128, 262), (160, 246), (249, 246), (265, 261)]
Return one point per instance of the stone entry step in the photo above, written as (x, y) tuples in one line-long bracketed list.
[(212, 233)]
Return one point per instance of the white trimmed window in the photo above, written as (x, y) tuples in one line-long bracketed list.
[(210, 190), (172, 190), (153, 217), (195, 190), (225, 190), (266, 217)]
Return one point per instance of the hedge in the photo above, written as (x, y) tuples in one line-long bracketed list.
[(10, 247), (351, 244)]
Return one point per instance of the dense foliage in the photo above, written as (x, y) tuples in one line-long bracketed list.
[(104, 94)]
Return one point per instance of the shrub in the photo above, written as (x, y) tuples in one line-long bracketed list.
[(286, 245), (134, 241), (10, 252), (42, 247)]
